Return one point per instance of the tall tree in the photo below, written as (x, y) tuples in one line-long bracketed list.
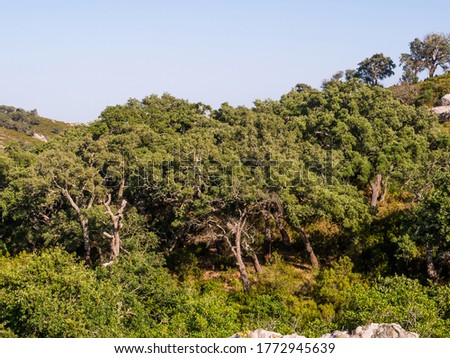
[(375, 68), (433, 226), (430, 53), (411, 67)]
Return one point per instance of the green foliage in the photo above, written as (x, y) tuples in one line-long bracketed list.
[(400, 300), (279, 303), (10, 136), (333, 283), (185, 263), (205, 313), (426, 93), (17, 119), (430, 53), (375, 68), (52, 295), (200, 191), (353, 301), (433, 89), (433, 225), (16, 124)]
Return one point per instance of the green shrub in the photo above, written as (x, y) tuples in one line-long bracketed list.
[(51, 295), (398, 300), (346, 301), (433, 89), (333, 284), (204, 314)]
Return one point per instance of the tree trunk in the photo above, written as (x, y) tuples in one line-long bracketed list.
[(383, 194), (116, 225), (309, 249), (256, 264), (84, 222), (240, 263), (253, 255), (376, 186), (431, 71), (86, 240), (121, 189), (236, 249), (267, 245), (431, 268), (218, 245), (285, 236)]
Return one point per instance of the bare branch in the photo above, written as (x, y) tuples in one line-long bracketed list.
[(67, 195), (91, 201), (109, 236)]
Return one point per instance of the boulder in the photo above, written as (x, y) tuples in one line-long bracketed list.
[(40, 137), (445, 101), (261, 333), (337, 334), (373, 330), (443, 112), (293, 335), (383, 330), (440, 110)]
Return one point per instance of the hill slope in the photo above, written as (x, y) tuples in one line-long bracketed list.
[(28, 127), (425, 93)]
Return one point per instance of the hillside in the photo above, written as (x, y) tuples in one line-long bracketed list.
[(323, 210), (425, 93), (17, 124)]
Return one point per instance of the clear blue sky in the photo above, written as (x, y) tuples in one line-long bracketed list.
[(70, 59)]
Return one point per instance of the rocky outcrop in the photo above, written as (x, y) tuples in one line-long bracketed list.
[(40, 137), (373, 330), (445, 101), (443, 111), (262, 333)]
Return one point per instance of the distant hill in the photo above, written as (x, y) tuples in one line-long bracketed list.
[(17, 124)]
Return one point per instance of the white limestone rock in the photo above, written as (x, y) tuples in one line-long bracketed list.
[(373, 330), (383, 330), (40, 137), (262, 333), (445, 101)]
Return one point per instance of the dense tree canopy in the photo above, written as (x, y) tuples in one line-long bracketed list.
[(161, 186)]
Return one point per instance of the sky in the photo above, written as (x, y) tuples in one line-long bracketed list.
[(71, 59)]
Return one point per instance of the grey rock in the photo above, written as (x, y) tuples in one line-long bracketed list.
[(293, 335), (373, 330), (445, 101), (440, 110), (443, 112), (40, 137), (337, 334), (261, 333), (391, 330)]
